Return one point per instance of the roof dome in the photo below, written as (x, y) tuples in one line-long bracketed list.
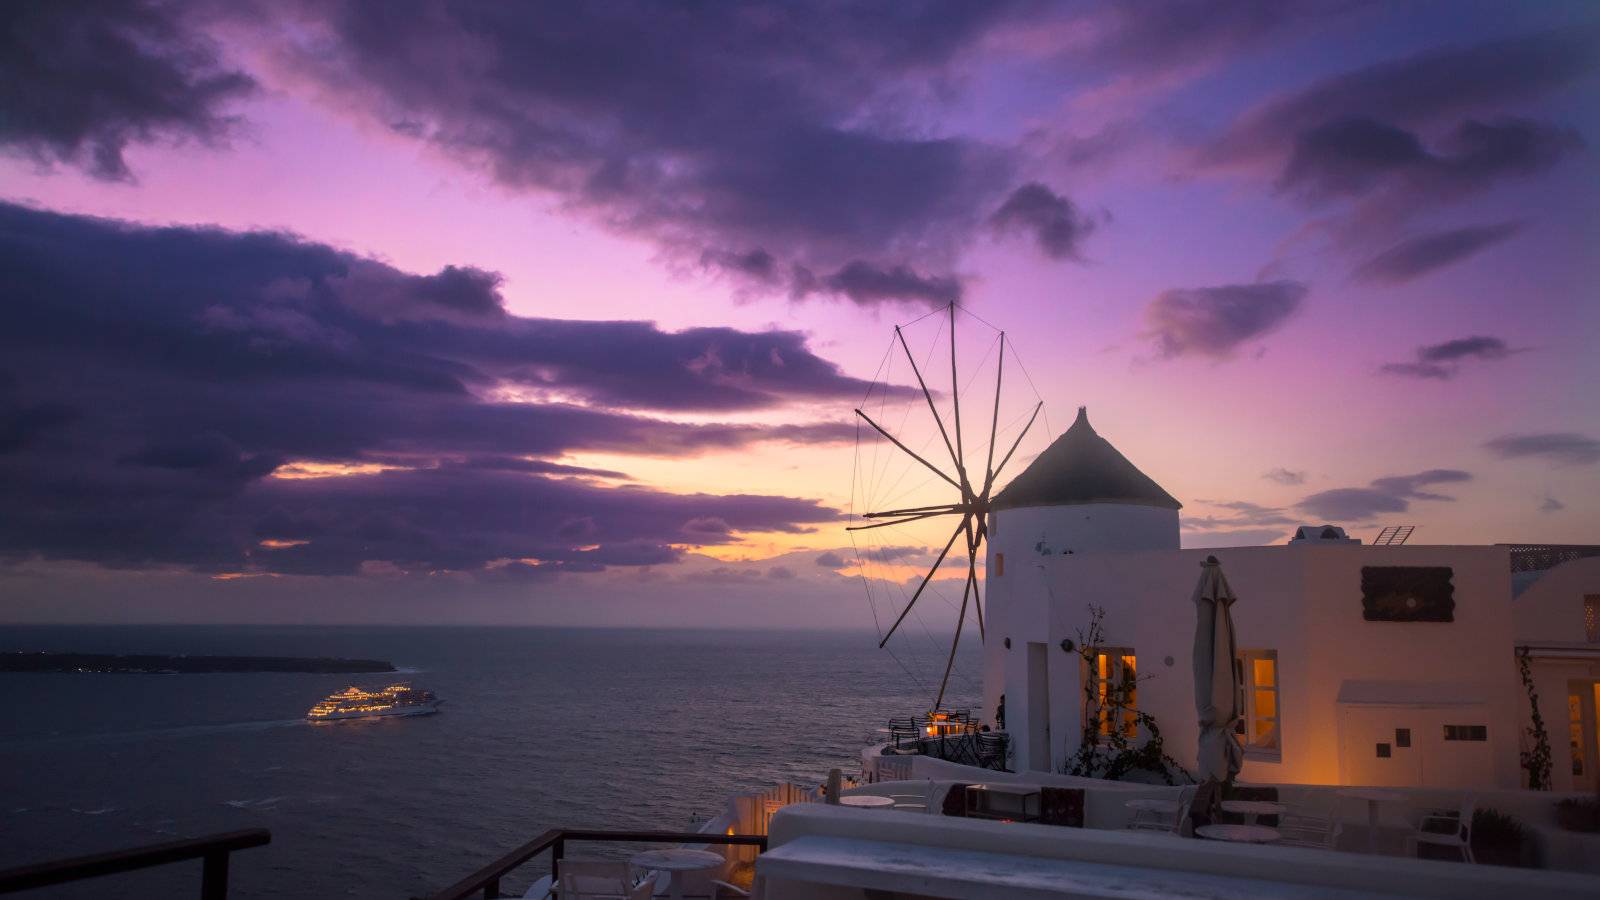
[(1082, 467)]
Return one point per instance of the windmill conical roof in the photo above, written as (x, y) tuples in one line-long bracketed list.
[(1082, 467)]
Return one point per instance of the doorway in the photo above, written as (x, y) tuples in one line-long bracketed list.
[(1039, 707), (1582, 698)]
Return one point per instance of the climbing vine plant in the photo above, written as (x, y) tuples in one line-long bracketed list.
[(1535, 761), (1114, 753)]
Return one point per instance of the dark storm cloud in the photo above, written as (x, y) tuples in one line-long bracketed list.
[(867, 284), (1216, 321), (1439, 86), (1564, 448), (831, 560), (79, 82), (1355, 156), (1392, 494), (1420, 255), (1386, 141), (153, 379), (1442, 361), (709, 129), (1057, 226), (1285, 476)]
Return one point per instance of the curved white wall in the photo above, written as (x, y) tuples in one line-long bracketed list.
[(1016, 604), (1085, 528)]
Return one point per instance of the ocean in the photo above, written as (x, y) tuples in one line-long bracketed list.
[(601, 728)]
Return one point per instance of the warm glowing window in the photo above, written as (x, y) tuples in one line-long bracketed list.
[(1575, 732), (1113, 685), (1591, 618), (1256, 673)]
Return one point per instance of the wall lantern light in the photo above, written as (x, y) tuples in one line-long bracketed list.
[(1066, 645)]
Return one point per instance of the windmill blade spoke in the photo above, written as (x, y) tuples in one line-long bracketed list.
[(955, 398), (994, 425), (1017, 443), (896, 441), (972, 576), (928, 396), (916, 518), (961, 621), (926, 579), (913, 510)]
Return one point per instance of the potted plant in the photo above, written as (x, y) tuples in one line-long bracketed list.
[(1499, 839), (1579, 813)]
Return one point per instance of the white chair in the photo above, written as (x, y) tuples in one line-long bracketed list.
[(587, 879), (1314, 823), (1166, 818), (1448, 828)]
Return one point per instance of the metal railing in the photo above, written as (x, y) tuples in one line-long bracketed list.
[(213, 849), (487, 879)]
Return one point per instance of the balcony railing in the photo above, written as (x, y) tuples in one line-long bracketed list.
[(487, 879), (213, 849)]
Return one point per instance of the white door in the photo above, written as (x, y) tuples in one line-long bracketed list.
[(1039, 707)]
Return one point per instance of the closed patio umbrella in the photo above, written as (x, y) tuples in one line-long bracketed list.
[(1215, 691)]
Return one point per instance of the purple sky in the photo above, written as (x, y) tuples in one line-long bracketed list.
[(506, 313)]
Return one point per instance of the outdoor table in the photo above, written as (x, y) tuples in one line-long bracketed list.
[(1373, 796), (674, 860), (1251, 809), (1243, 834), (867, 801)]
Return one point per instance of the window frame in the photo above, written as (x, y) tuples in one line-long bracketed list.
[(1121, 663), (1246, 689)]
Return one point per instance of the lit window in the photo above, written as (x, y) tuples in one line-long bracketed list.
[(1591, 618), (1114, 682), (1575, 732), (1256, 674)]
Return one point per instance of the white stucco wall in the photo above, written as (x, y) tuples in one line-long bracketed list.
[(1304, 601), (1550, 620), (1026, 537)]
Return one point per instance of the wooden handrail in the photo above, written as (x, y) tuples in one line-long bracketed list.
[(487, 879), (214, 849)]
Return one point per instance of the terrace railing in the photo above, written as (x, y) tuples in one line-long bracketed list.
[(487, 879), (213, 850)]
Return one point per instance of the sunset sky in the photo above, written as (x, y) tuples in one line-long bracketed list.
[(551, 313)]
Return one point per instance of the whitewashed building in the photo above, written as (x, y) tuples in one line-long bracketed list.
[(1360, 664)]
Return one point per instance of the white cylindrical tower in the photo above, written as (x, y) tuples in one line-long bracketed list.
[(1078, 496)]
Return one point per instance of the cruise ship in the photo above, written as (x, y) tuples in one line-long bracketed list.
[(394, 700)]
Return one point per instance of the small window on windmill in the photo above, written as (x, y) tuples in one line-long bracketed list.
[(999, 564)]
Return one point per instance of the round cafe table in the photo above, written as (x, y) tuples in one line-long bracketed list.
[(1373, 796), (1241, 834), (867, 801), (1251, 809), (674, 860)]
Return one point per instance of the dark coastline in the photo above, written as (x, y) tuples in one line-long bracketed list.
[(153, 664)]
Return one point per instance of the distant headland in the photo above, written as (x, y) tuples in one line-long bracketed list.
[(153, 664)]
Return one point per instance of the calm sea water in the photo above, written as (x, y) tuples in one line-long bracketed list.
[(540, 728)]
